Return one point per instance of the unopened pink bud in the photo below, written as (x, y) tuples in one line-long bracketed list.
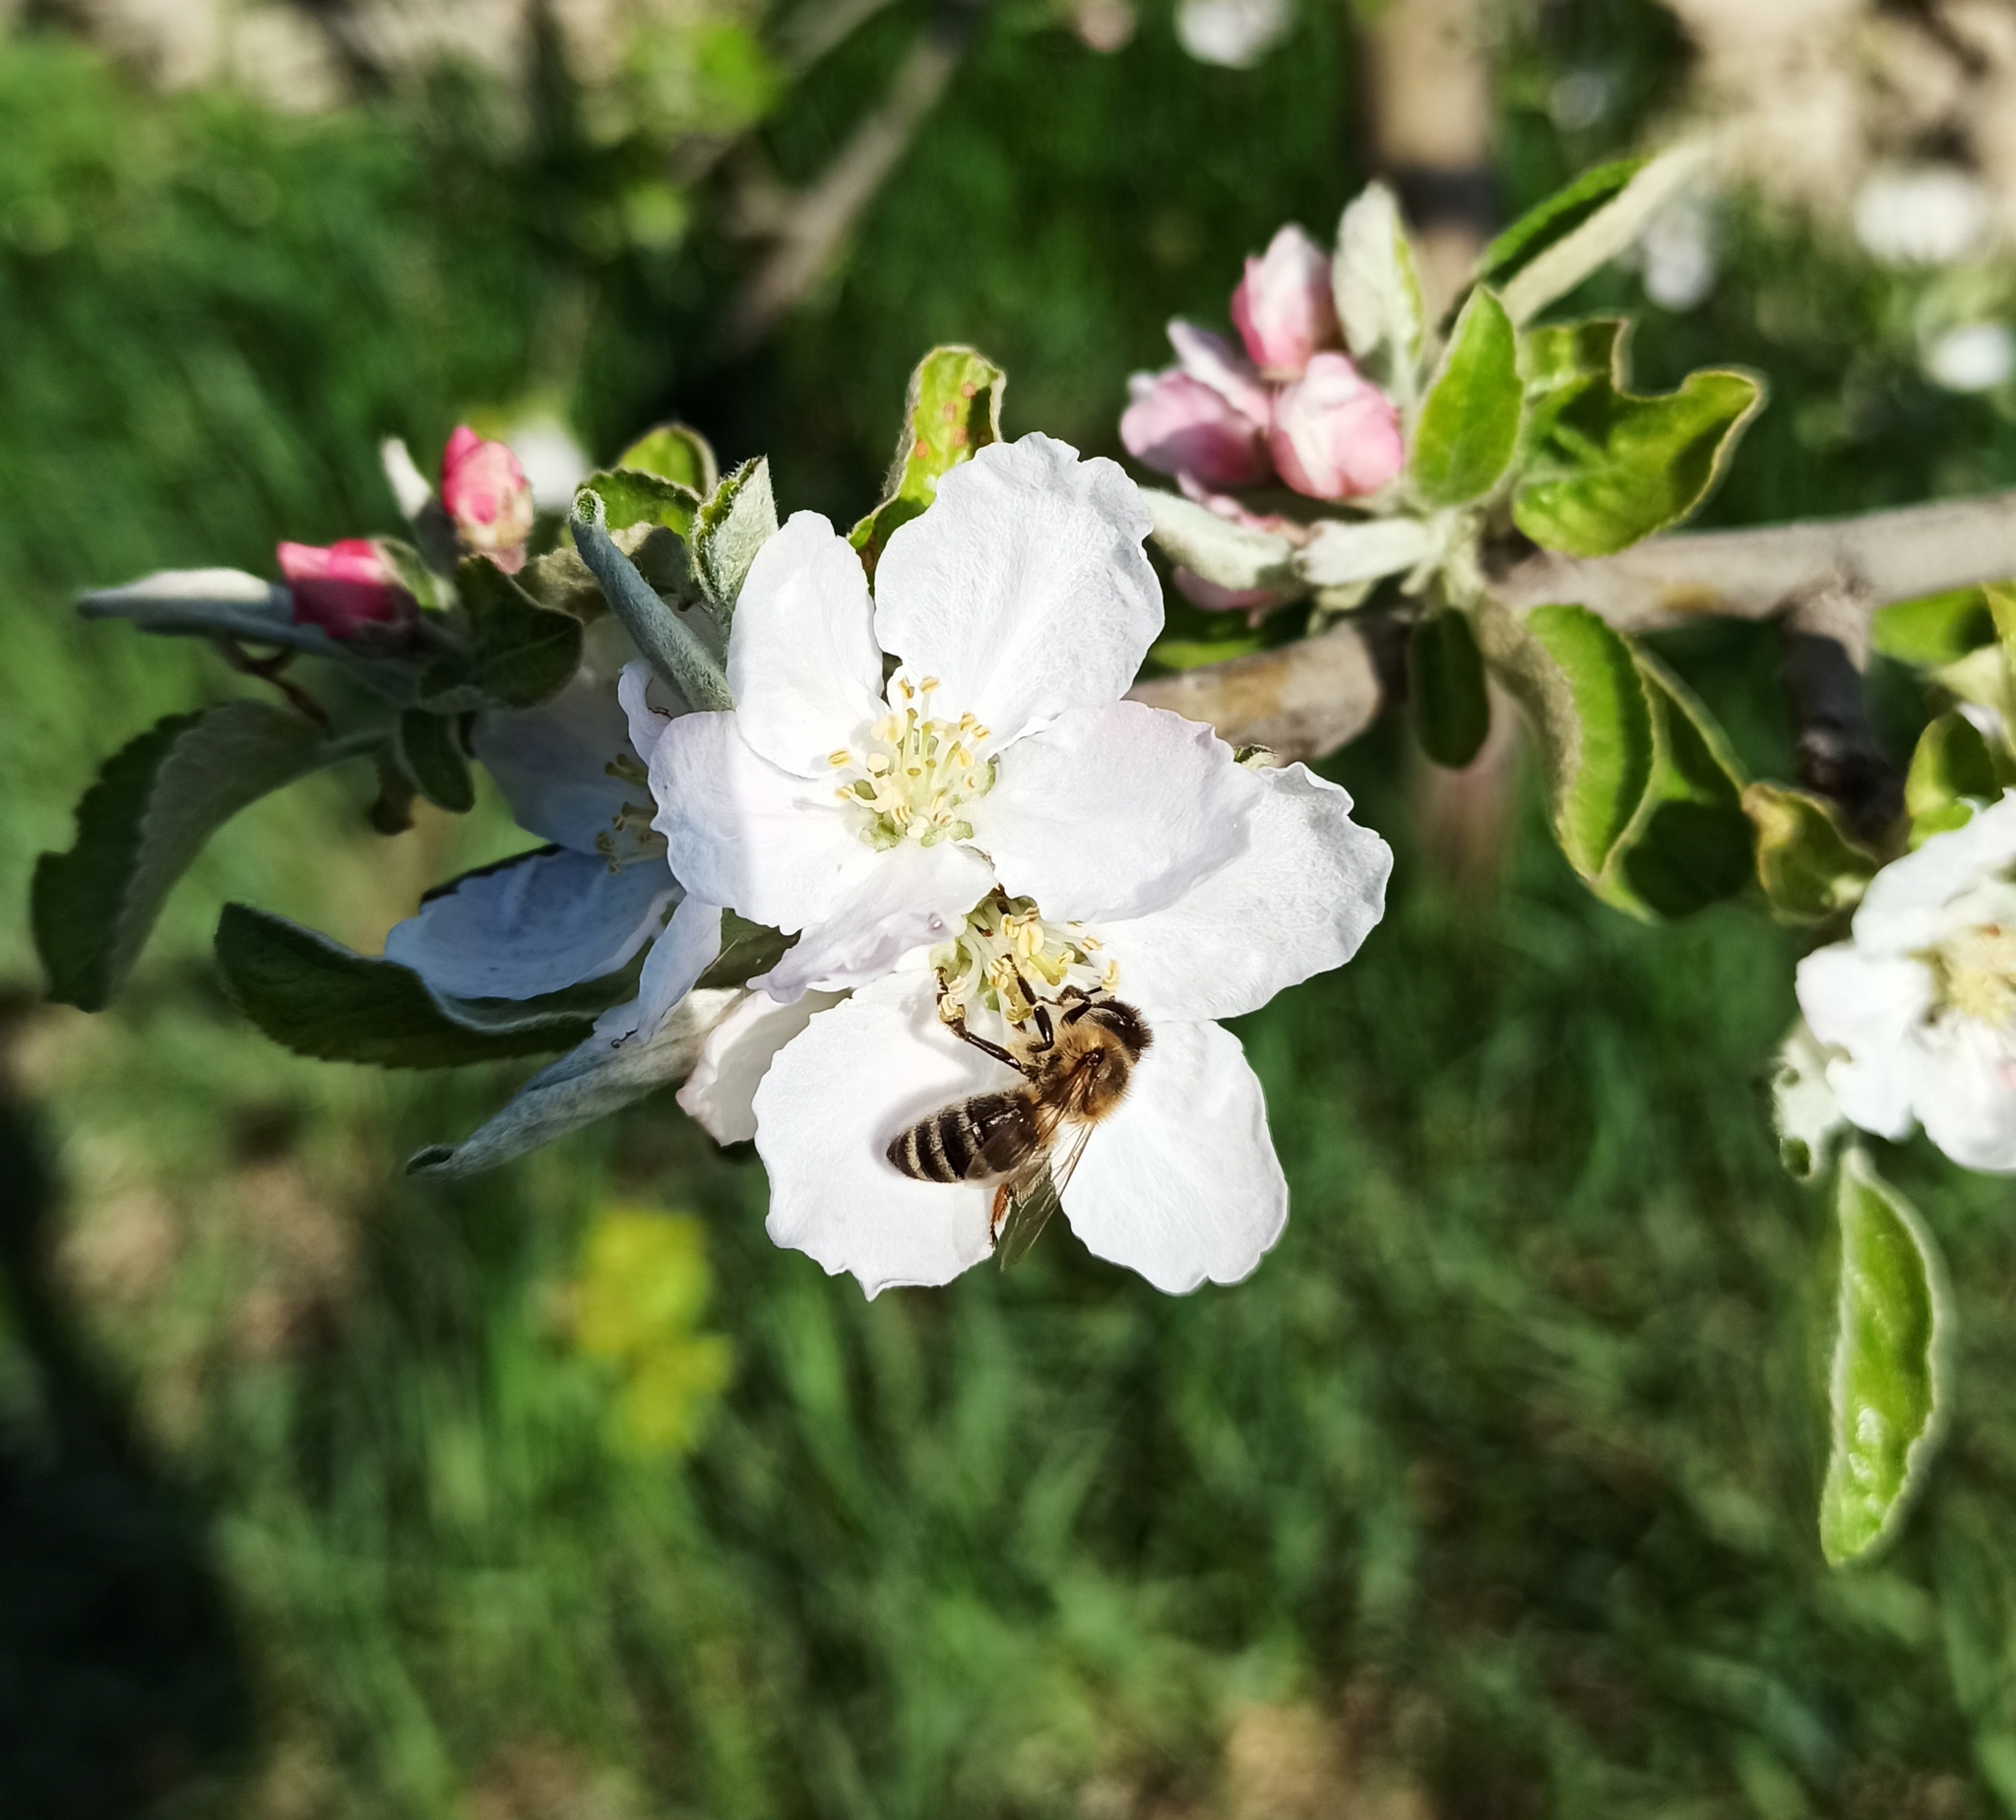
[(1335, 434), (484, 492), (1181, 426), (1283, 307), (345, 587)]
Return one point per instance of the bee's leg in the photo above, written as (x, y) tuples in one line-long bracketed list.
[(1085, 1003), (987, 1048), (1042, 1017)]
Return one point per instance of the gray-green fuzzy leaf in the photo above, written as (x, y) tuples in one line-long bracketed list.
[(1214, 548), (519, 653), (431, 756), (738, 519), (670, 645), (1887, 1387), (155, 804), (675, 452)]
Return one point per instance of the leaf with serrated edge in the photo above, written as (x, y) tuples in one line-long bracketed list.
[(1582, 690), (1605, 234), (953, 409), (631, 496), (737, 521), (589, 1083), (155, 804), (675, 452), (1887, 1390), (1604, 467), (1214, 548), (1811, 868), (316, 998), (1469, 424)]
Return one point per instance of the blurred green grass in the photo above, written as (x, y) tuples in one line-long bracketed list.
[(1489, 1495)]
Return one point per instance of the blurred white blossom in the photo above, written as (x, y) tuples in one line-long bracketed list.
[(1233, 34)]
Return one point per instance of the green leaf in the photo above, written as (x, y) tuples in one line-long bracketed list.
[(675, 452), (738, 519), (1887, 1387), (1952, 773), (1803, 1110), (1563, 212), (746, 950), (1378, 292), (633, 496), (519, 654), (589, 1083), (1447, 698), (1811, 868), (316, 998), (1468, 424), (1689, 845), (1606, 468), (954, 407), (665, 641), (431, 756), (1936, 629), (1552, 265), (1581, 687), (155, 804)]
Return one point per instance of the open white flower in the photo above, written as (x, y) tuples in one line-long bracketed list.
[(1180, 1183), (572, 771), (870, 820), (1919, 1010)]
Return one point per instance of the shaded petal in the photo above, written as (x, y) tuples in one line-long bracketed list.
[(1904, 906), (1113, 811), (803, 664), (553, 764), (1181, 1183), (650, 706), (1214, 361), (1300, 901), (534, 926), (1867, 1005), (1283, 307), (745, 834), (1181, 426), (826, 1112), (1024, 589), (690, 945), (1966, 1095), (720, 1095), (912, 895)]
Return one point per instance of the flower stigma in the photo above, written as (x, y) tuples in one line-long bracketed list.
[(917, 772), (1008, 961)]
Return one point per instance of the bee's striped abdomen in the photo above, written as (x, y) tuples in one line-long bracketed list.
[(986, 1135)]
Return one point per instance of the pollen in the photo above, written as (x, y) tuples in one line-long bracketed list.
[(1009, 963), (916, 772), (1974, 972)]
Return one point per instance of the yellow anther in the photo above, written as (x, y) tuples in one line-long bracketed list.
[(928, 684), (840, 758)]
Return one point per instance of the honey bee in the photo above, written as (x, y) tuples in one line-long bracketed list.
[(1030, 1138)]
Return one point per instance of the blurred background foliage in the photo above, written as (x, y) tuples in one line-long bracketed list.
[(562, 1494)]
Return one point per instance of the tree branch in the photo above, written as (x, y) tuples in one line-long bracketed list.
[(1309, 698)]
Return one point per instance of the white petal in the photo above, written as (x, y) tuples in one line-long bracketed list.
[(825, 1114), (745, 834), (553, 764), (690, 945), (534, 926), (1868, 1006), (1113, 811), (1181, 1183), (1904, 906), (720, 1094), (1300, 898), (803, 664), (913, 896), (648, 706), (1024, 589), (1967, 1095)]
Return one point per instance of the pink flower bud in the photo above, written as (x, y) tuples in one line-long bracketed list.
[(1255, 602), (1335, 434), (1181, 426), (347, 588), (486, 492), (1283, 307)]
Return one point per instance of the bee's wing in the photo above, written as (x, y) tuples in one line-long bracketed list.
[(1035, 1192)]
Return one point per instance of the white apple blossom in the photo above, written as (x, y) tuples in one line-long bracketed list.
[(868, 821), (583, 908), (997, 835), (1917, 1011)]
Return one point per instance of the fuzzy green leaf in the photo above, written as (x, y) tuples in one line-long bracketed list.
[(954, 407), (155, 804), (1952, 773), (519, 653), (1468, 424), (1541, 226), (675, 452), (1606, 468), (316, 998), (738, 519), (633, 496), (431, 756), (1378, 291), (1446, 695), (1936, 629), (1886, 1390), (1811, 868)]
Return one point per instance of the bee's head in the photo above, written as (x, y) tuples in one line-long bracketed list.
[(1123, 1023)]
